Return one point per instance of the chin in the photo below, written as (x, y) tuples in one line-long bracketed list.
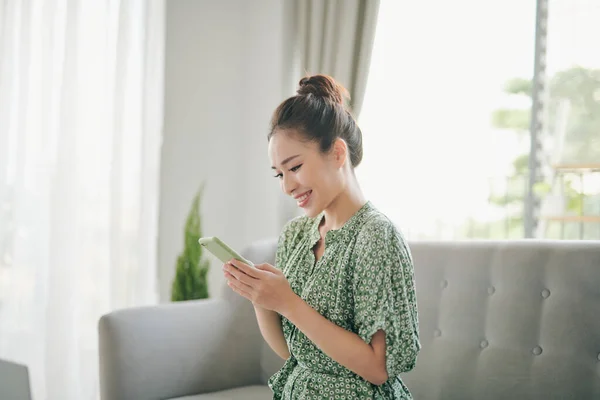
[(311, 212)]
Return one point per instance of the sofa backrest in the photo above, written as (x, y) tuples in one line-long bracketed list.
[(507, 320), (499, 319)]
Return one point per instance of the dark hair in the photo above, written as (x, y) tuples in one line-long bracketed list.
[(319, 114)]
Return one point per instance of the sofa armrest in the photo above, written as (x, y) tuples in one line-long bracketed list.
[(177, 349)]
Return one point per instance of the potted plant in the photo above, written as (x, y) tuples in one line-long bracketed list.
[(190, 281)]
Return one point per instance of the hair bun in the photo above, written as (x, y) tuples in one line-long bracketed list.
[(323, 86)]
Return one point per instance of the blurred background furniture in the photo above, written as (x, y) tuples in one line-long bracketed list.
[(14, 381), (498, 320)]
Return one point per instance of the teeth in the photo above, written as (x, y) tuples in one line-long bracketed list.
[(301, 199)]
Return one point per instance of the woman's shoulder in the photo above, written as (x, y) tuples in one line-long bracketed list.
[(377, 224), (294, 229), (381, 239), (296, 224)]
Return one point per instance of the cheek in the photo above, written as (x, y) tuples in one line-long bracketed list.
[(331, 183), (326, 176), (308, 178), (321, 180)]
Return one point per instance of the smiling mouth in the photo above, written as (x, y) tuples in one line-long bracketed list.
[(303, 200)]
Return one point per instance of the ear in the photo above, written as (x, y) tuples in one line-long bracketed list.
[(339, 152)]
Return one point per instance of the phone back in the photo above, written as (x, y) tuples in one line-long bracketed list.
[(220, 250)]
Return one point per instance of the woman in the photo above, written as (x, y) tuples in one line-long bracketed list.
[(339, 306)]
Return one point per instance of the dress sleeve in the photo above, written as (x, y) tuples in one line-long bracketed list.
[(384, 294), (286, 241), (281, 252)]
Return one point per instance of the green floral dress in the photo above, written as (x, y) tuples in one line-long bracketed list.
[(363, 282)]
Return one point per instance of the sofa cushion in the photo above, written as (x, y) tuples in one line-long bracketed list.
[(243, 393)]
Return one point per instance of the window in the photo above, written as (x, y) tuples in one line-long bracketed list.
[(446, 117)]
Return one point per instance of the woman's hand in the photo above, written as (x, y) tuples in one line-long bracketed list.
[(263, 284)]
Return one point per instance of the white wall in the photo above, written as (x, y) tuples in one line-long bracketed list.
[(224, 76)]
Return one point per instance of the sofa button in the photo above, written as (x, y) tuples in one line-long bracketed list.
[(437, 333), (545, 293), (444, 284), (537, 350), (484, 343), (491, 290)]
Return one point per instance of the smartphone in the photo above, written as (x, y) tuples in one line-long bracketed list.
[(220, 250)]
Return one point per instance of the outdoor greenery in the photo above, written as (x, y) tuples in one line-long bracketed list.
[(572, 104)]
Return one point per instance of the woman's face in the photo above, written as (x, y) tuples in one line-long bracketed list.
[(312, 178)]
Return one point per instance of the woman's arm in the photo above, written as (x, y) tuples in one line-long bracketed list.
[(266, 287), (270, 328), (345, 347)]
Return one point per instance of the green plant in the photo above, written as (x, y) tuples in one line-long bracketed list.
[(190, 282)]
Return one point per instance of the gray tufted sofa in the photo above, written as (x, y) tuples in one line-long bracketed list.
[(498, 320)]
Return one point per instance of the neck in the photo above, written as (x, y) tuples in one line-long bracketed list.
[(344, 206)]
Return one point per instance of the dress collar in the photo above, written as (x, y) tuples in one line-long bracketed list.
[(334, 234)]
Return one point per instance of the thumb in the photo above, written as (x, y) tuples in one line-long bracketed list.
[(267, 267)]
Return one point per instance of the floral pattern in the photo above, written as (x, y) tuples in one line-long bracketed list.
[(363, 282)]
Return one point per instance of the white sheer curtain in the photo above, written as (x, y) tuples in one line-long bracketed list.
[(80, 133)]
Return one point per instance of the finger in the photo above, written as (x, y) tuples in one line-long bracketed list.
[(238, 288), (241, 276), (227, 274), (245, 268), (267, 267)]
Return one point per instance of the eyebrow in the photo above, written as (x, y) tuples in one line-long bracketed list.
[(287, 160)]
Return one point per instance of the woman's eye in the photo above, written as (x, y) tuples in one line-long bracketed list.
[(280, 175)]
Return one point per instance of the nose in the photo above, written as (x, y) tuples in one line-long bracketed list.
[(288, 185)]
